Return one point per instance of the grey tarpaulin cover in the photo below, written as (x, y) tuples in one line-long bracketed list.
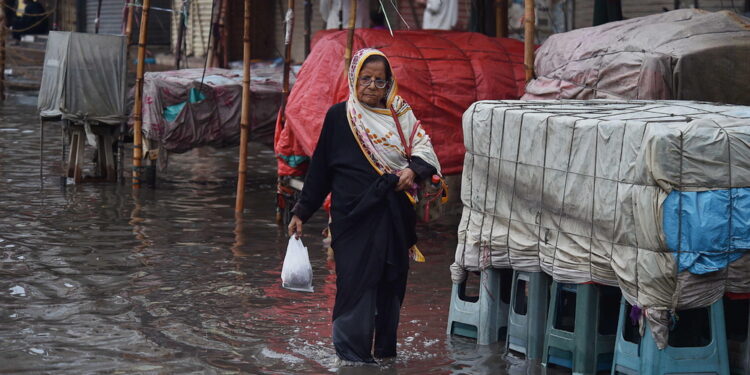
[(181, 113), (84, 77), (576, 189), (685, 54)]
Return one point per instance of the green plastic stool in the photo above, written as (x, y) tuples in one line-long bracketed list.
[(528, 313), (697, 345), (484, 318), (581, 327), (737, 319)]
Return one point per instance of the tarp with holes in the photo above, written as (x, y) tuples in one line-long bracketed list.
[(439, 73)]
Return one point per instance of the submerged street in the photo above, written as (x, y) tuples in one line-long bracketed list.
[(97, 279)]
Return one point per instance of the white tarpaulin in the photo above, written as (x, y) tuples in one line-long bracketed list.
[(686, 54), (84, 77), (578, 189)]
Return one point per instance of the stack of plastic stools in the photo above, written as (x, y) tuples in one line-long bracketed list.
[(528, 313), (581, 327), (485, 317), (737, 320), (697, 345)]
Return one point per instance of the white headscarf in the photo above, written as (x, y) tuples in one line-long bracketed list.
[(375, 128)]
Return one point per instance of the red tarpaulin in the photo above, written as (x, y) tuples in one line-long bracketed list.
[(439, 73)]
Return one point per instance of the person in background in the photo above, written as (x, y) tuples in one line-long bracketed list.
[(336, 13), (362, 159), (439, 14), (32, 22)]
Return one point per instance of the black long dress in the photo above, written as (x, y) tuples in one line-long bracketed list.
[(372, 228)]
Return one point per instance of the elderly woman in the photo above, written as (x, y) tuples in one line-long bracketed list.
[(370, 154)]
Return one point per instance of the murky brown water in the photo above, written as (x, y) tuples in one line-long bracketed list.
[(95, 279)]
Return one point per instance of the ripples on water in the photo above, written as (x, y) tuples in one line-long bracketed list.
[(96, 279)]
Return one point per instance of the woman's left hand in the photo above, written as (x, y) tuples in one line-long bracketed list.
[(405, 179)]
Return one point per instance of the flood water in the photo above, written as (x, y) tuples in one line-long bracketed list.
[(97, 279)]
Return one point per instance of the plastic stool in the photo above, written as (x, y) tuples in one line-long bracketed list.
[(639, 355), (528, 313), (737, 320), (581, 327), (483, 318)]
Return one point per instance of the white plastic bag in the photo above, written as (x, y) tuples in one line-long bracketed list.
[(296, 274)]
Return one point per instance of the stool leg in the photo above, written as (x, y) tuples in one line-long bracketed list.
[(537, 313), (489, 300), (584, 357)]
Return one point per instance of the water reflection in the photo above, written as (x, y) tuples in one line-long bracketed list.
[(98, 278)]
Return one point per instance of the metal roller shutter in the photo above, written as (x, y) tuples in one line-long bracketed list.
[(111, 20)]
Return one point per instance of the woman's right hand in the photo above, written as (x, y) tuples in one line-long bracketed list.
[(295, 227)]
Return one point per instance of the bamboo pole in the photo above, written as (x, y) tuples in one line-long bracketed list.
[(350, 36), (3, 36), (308, 25), (56, 16), (138, 109), (223, 35), (501, 18), (245, 117), (129, 24), (528, 39), (180, 37), (287, 56)]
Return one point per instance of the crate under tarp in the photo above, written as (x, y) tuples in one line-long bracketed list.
[(601, 191), (84, 78)]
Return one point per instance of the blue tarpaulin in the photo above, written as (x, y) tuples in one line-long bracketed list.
[(714, 230)]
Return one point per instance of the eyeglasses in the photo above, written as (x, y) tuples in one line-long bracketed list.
[(379, 83)]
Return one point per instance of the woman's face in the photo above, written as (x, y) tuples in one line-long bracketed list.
[(367, 92)]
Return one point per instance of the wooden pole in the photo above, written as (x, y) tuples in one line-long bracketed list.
[(350, 36), (138, 109), (289, 32), (56, 16), (308, 25), (245, 116), (223, 35), (501, 18), (3, 36), (528, 39), (180, 37), (129, 24), (98, 17)]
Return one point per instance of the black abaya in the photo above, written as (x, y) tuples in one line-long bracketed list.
[(372, 228)]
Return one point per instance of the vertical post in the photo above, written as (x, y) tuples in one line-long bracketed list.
[(350, 36), (501, 18), (245, 116), (223, 35), (289, 31), (528, 39), (3, 36), (129, 23), (308, 23), (138, 109), (180, 36), (98, 17), (56, 16)]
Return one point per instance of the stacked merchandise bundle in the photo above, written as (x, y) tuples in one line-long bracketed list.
[(653, 57), (653, 196)]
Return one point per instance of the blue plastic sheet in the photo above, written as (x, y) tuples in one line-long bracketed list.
[(713, 230), (171, 112)]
